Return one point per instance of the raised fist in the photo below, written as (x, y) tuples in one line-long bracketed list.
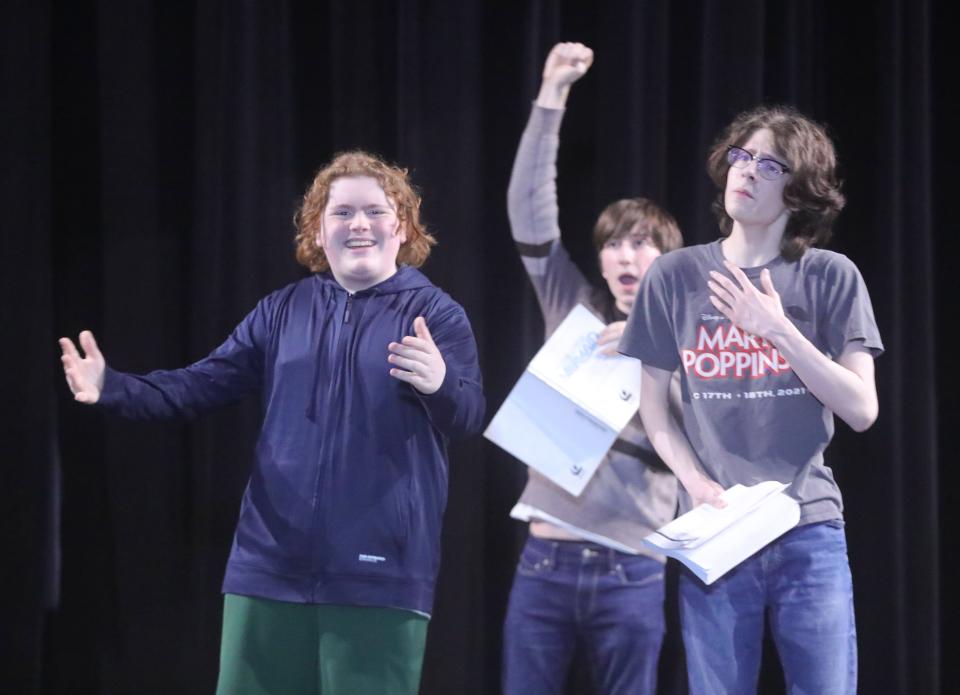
[(567, 63)]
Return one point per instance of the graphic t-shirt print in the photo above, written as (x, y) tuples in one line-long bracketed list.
[(722, 354)]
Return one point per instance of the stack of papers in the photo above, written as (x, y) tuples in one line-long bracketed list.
[(569, 405), (712, 541)]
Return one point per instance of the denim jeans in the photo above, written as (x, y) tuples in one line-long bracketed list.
[(801, 584), (571, 595)]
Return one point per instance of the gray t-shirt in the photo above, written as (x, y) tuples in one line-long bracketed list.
[(746, 413)]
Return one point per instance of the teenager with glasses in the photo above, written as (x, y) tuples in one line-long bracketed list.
[(584, 582), (773, 338)]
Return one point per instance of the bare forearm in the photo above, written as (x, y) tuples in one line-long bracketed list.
[(845, 385), (671, 443), (662, 428), (848, 394)]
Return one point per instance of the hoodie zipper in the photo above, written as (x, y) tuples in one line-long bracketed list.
[(338, 351)]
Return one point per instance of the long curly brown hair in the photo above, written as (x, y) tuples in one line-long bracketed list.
[(813, 192), (396, 185)]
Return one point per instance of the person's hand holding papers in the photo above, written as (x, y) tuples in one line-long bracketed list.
[(609, 337)]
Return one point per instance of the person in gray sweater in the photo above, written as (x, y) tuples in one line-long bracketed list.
[(584, 581)]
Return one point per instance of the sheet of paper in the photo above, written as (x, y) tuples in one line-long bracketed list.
[(777, 514), (712, 541), (569, 405), (607, 386), (705, 521), (551, 434)]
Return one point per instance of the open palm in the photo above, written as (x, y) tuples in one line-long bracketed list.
[(84, 374)]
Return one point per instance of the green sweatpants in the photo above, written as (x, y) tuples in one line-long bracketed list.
[(278, 648)]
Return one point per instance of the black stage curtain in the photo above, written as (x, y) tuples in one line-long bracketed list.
[(154, 153)]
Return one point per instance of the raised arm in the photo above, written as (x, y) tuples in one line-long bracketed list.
[(532, 194)]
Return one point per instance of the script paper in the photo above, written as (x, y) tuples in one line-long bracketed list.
[(569, 405), (712, 541)]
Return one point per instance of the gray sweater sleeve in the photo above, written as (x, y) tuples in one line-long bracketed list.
[(532, 207)]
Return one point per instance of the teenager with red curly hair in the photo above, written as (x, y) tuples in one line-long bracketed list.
[(366, 371)]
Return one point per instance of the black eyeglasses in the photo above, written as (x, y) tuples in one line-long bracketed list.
[(770, 169)]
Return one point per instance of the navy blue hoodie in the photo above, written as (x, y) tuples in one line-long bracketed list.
[(349, 484)]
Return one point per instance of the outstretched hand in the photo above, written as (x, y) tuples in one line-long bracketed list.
[(417, 360), (84, 374), (756, 312)]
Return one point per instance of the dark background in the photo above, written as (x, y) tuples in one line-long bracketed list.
[(153, 155)]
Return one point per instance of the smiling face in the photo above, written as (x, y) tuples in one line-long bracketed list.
[(360, 233), (623, 263), (751, 201)]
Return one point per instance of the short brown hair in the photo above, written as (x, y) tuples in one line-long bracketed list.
[(621, 217), (812, 192), (396, 185)]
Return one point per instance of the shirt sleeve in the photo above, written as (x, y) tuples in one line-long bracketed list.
[(650, 335), (232, 371), (457, 408), (849, 312), (534, 218)]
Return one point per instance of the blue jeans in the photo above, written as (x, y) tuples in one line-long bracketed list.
[(571, 595), (801, 584)]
